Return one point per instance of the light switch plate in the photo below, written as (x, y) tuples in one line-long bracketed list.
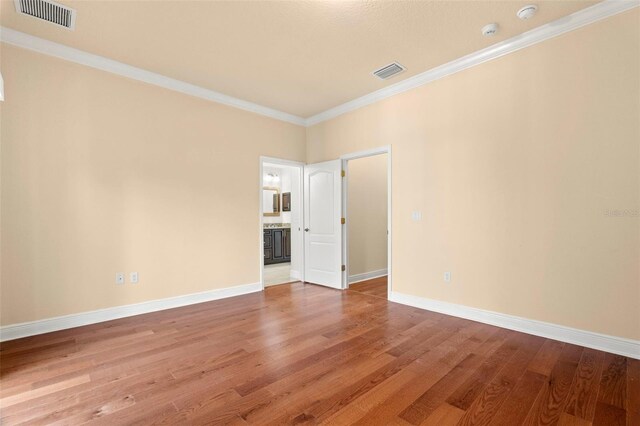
[(119, 278)]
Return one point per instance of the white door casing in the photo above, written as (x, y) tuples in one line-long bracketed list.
[(323, 229)]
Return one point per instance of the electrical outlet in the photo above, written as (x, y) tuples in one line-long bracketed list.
[(447, 277), (416, 216), (133, 278), (119, 278)]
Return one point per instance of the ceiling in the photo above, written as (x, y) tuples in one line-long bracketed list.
[(299, 57)]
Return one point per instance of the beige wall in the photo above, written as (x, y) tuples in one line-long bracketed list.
[(514, 164), (102, 174), (367, 210)]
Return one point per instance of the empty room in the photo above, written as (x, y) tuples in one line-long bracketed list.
[(393, 212)]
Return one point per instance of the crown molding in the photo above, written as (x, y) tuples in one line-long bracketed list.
[(574, 21), (46, 47), (537, 35)]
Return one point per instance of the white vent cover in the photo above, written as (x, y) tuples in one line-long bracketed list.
[(389, 71), (48, 11)]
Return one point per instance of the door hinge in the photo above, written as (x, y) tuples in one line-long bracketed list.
[(343, 174), (344, 268), (343, 220)]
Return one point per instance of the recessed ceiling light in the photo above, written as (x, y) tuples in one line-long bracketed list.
[(527, 12), (490, 30)]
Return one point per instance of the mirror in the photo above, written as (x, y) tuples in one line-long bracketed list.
[(270, 201)]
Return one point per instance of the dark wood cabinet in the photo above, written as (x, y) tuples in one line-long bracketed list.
[(287, 244), (277, 245)]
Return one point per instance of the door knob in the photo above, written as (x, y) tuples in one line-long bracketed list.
[(306, 229)]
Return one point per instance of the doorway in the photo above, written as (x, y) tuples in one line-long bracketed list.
[(281, 251), (367, 232), (305, 213), (366, 201)]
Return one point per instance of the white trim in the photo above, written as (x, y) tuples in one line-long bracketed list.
[(16, 331), (281, 161), (603, 342), (345, 189), (572, 22), (40, 45), (367, 153), (356, 278), (295, 275), (552, 29)]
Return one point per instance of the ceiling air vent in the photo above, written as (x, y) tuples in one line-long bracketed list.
[(48, 11), (389, 71)]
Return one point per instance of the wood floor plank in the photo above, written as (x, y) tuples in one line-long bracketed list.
[(351, 390), (444, 415), (305, 354), (552, 401), (368, 400), (609, 415), (584, 391), (383, 403), (484, 407), (44, 390), (467, 393), (569, 420), (426, 403), (312, 394), (612, 396), (633, 392), (613, 385), (518, 403), (547, 357), (374, 287)]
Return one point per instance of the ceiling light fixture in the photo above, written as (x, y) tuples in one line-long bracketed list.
[(490, 30), (527, 12), (271, 178)]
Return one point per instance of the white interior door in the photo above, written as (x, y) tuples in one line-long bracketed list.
[(323, 229)]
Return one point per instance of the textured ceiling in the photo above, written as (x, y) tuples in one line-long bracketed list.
[(298, 57)]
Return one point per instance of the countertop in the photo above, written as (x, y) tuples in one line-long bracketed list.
[(276, 225)]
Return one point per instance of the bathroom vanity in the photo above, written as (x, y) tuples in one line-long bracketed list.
[(277, 243)]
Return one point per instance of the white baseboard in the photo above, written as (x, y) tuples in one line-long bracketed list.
[(16, 331), (603, 342), (295, 275), (367, 276)]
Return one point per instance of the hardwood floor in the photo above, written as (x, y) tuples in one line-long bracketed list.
[(307, 354), (373, 287)]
